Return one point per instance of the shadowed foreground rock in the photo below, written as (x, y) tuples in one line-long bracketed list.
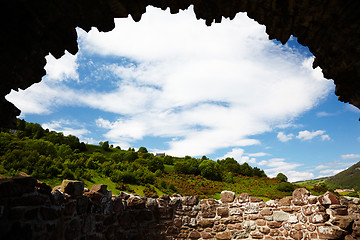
[(33, 29), (30, 210)]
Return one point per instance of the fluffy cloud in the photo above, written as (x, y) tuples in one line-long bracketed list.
[(307, 135), (285, 137), (210, 87), (280, 165), (350, 156), (67, 128), (62, 69), (331, 172)]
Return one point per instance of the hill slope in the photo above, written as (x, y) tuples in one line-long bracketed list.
[(349, 178)]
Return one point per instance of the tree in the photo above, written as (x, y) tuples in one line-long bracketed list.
[(282, 177), (210, 170), (155, 164), (105, 145), (142, 150), (246, 170)]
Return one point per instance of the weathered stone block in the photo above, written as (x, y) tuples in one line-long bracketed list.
[(135, 202), (194, 235), (219, 228), (242, 198), (264, 230), (208, 211), (330, 232), (251, 208), (343, 221), (206, 235), (260, 222), (300, 196), (241, 234), (266, 212), (234, 226), (227, 196), (190, 200), (223, 212), (204, 223), (285, 201), (328, 198), (275, 233), (72, 187), (274, 224), (280, 216), (223, 235), (297, 235), (257, 235), (319, 218), (99, 188), (339, 210)]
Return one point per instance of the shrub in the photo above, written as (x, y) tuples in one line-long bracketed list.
[(282, 177), (353, 194), (286, 187)]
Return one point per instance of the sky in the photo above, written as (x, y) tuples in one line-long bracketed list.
[(173, 85)]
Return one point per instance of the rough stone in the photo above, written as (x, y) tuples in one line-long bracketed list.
[(297, 235), (328, 198), (99, 188), (190, 200), (72, 187), (204, 223), (227, 196), (135, 202), (330, 232), (266, 212), (223, 235), (319, 218), (257, 235), (274, 224), (300, 196), (194, 235), (342, 221), (242, 198), (206, 235), (223, 212), (280, 216)]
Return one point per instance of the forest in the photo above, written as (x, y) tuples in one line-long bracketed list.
[(50, 157)]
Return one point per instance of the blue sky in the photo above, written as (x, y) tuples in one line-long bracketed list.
[(173, 85)]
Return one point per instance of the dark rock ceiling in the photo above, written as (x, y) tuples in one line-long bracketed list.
[(31, 29)]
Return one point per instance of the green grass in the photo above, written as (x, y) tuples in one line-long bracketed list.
[(169, 168)]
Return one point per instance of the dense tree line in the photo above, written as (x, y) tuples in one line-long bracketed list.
[(48, 154), (221, 170)]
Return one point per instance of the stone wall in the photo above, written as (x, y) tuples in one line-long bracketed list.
[(29, 209)]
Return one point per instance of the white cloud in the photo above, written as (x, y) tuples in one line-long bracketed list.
[(211, 87), (321, 166), (236, 153), (259, 154), (67, 128), (307, 135), (325, 114), (62, 69), (331, 172), (284, 137), (325, 137), (350, 156), (280, 165)]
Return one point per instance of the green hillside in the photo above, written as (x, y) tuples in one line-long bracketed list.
[(349, 178), (51, 157)]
